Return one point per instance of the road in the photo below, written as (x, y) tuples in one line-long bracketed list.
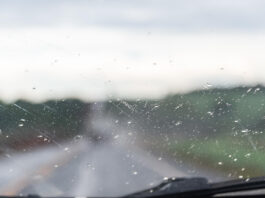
[(82, 168)]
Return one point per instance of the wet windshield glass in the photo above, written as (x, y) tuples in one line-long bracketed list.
[(106, 98)]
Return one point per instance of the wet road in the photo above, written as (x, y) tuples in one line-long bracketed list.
[(83, 169)]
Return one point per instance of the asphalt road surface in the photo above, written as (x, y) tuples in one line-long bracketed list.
[(82, 168)]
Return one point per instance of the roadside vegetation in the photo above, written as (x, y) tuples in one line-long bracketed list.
[(235, 157), (25, 125)]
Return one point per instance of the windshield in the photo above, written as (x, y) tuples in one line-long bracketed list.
[(106, 98)]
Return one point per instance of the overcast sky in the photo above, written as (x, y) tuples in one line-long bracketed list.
[(180, 15), (128, 48)]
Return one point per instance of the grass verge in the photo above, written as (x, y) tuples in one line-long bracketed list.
[(238, 157)]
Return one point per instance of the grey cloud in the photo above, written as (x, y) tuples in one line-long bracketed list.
[(180, 15)]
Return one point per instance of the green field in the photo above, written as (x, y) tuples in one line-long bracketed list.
[(236, 157)]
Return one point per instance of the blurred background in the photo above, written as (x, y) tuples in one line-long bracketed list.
[(104, 98)]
